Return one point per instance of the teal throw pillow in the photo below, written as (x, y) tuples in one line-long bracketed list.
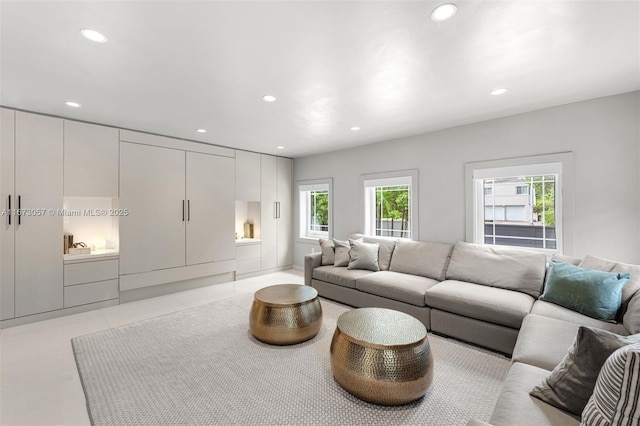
[(597, 294)]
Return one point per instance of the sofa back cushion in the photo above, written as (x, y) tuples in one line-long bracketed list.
[(421, 258), (631, 319), (504, 267), (632, 286), (385, 250)]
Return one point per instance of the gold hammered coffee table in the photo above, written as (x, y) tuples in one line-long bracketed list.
[(381, 356), (285, 314)]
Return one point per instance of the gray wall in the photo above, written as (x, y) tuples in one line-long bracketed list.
[(603, 134)]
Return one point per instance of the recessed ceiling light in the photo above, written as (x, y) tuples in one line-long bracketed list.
[(280, 147), (201, 130), (269, 98), (496, 92), (443, 12), (93, 35), (355, 128), (72, 104)]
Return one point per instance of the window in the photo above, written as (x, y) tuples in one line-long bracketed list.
[(390, 204), (516, 203), (315, 211)]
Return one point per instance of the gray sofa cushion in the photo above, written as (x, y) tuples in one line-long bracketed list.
[(543, 341), (421, 258), (516, 407), (632, 286), (571, 382), (575, 261), (504, 267), (631, 319), (556, 311), (339, 275), (387, 245), (393, 285), (492, 304)]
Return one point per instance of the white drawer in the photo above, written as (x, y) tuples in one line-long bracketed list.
[(82, 294), (247, 265), (87, 272), (248, 251)]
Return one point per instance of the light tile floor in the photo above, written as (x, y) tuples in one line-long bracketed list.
[(39, 382)]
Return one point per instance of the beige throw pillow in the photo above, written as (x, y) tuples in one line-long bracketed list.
[(363, 255), (328, 254), (341, 252)]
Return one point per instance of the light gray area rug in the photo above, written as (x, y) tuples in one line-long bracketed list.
[(202, 366)]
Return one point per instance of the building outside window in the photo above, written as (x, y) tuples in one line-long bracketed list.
[(519, 202), (390, 204), (520, 215), (315, 209)]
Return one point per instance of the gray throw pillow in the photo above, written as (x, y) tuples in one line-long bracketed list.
[(341, 253), (363, 255), (571, 383), (328, 255)]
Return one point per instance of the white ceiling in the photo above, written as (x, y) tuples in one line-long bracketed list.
[(173, 66)]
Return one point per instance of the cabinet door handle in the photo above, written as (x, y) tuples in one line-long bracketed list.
[(183, 210), (275, 209), (10, 212), (188, 210), (278, 204), (19, 212)]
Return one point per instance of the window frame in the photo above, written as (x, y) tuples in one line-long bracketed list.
[(561, 164), (394, 178), (304, 190)]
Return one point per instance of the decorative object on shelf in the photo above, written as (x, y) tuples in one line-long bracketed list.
[(248, 230), (67, 243), (99, 244), (79, 248)]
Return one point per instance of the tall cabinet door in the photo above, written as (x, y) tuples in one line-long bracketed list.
[(7, 227), (210, 208), (268, 221), (90, 160), (38, 237), (152, 185), (284, 213)]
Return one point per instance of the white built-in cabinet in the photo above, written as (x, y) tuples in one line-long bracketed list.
[(247, 176), (152, 185), (90, 160), (276, 212), (180, 198), (210, 208), (32, 267), (181, 212)]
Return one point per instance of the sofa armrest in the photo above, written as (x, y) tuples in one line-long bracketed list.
[(311, 261)]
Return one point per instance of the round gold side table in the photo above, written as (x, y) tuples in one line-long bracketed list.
[(285, 314), (381, 356)]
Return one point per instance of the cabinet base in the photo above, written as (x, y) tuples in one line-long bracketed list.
[(163, 289), (57, 314)]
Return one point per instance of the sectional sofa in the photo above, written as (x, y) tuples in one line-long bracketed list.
[(484, 295)]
